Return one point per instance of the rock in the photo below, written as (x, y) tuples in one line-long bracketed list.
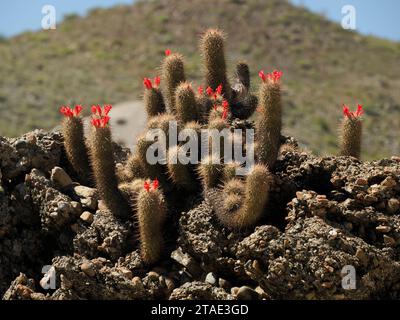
[(247, 293), (199, 291), (85, 192), (137, 282), (77, 207), (225, 284), (389, 240), (87, 217), (89, 203), (152, 275), (88, 269), (60, 178), (361, 182), (211, 278), (126, 272), (383, 229), (234, 290), (38, 296), (360, 254), (187, 261), (393, 205)]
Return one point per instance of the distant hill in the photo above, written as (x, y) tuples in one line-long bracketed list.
[(104, 56)]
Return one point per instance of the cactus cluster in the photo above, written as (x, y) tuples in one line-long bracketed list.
[(171, 102)]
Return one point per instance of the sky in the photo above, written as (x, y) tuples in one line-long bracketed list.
[(376, 17)]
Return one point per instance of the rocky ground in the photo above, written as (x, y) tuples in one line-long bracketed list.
[(325, 214)]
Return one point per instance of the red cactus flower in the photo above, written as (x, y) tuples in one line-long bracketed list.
[(352, 115), (167, 52), (146, 186), (68, 112), (155, 184), (209, 91), (224, 114), (100, 116), (200, 90), (147, 83), (96, 110), (273, 76), (225, 105), (157, 81), (219, 89), (262, 75)]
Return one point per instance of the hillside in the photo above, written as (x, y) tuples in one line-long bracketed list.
[(104, 56)]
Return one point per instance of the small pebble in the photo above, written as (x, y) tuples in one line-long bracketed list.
[(383, 229), (211, 278), (87, 216), (88, 269), (247, 293), (60, 177), (152, 275)]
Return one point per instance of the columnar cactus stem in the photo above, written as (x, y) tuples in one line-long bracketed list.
[(186, 105), (351, 132), (210, 170), (243, 207), (153, 99), (179, 172), (74, 143), (151, 214), (269, 124), (243, 74), (173, 73), (212, 49), (103, 163)]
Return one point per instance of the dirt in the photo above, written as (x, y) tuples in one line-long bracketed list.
[(325, 215)]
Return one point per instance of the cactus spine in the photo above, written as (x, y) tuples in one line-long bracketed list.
[(186, 105), (243, 206), (173, 73), (351, 132), (103, 165), (74, 142), (212, 49), (179, 172), (153, 101), (210, 170), (151, 214), (269, 123)]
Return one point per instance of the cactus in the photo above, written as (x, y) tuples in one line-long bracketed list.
[(229, 171), (153, 99), (103, 163), (212, 49), (186, 105), (209, 171), (243, 74), (173, 73), (179, 172), (351, 131), (74, 142), (269, 124), (149, 170), (243, 204), (151, 214)]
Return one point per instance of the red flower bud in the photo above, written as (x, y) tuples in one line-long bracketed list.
[(167, 52), (155, 184), (351, 115), (200, 90), (146, 186), (147, 83), (157, 81)]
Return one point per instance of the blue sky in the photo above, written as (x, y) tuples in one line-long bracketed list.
[(377, 17)]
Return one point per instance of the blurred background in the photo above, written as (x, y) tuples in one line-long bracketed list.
[(101, 50)]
